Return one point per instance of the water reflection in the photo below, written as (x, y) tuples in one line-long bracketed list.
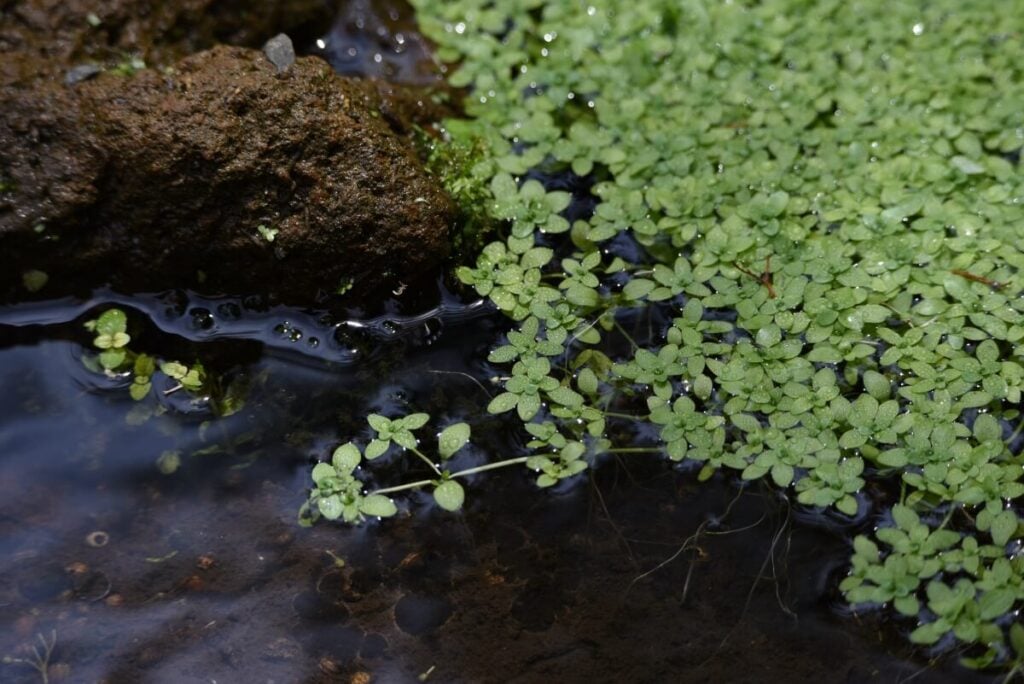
[(376, 40)]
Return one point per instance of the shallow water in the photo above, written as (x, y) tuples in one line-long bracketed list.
[(205, 575), (375, 38)]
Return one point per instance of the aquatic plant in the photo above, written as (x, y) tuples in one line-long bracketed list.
[(338, 493), (802, 262), (40, 659), (115, 359)]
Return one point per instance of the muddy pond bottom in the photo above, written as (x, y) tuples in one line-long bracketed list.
[(116, 567)]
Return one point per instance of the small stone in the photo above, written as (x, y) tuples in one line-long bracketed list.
[(329, 666), (193, 583), (280, 51), (76, 568), (283, 649), (82, 72)]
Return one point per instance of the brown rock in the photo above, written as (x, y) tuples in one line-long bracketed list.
[(163, 179), (160, 32)]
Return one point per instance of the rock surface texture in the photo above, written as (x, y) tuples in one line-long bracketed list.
[(224, 173), (160, 32)]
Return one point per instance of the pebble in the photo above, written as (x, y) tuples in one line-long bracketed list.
[(280, 51), (82, 72), (283, 649)]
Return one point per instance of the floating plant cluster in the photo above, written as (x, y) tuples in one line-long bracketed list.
[(803, 263)]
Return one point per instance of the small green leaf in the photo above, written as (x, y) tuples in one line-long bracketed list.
[(565, 397), (449, 495), (404, 439), (169, 462), (769, 336), (1017, 638), (1004, 526), (330, 507), (192, 380), (847, 504), (377, 505), (528, 406), (452, 438), (34, 280), (904, 517), (139, 390), (587, 381), (873, 313), (996, 603), (111, 322), (376, 448), (173, 369), (112, 358), (876, 384), (637, 288), (502, 403), (782, 474), (907, 605), (346, 457), (414, 421), (378, 422), (322, 471)]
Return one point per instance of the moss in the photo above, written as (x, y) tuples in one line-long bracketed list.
[(462, 166)]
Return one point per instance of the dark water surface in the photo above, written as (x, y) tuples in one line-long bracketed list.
[(204, 575)]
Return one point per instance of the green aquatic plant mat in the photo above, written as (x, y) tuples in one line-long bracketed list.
[(779, 239)]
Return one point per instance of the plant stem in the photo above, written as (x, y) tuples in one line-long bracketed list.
[(490, 466), (461, 473), (1016, 433), (618, 326), (402, 488), (613, 414), (635, 450), (426, 460)]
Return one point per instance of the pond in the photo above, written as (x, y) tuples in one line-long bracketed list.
[(637, 573), (159, 538)]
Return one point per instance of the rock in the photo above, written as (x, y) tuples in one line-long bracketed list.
[(70, 31), (178, 179), (280, 51)]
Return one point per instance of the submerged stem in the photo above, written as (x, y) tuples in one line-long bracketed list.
[(401, 488), (618, 326), (426, 460), (461, 473), (635, 450), (490, 466)]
